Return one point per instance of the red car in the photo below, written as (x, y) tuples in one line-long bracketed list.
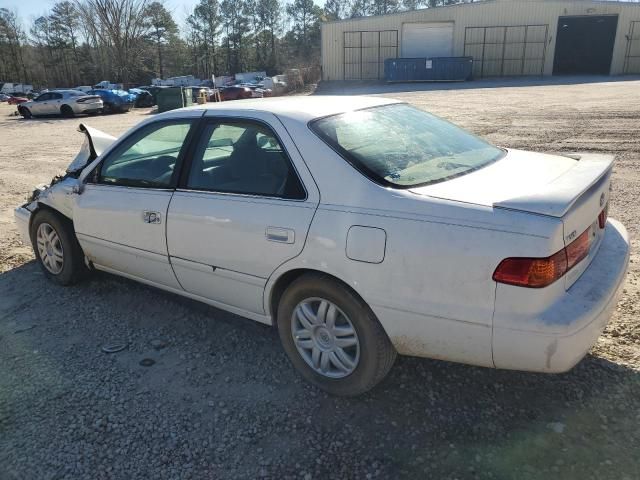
[(235, 93), (16, 100)]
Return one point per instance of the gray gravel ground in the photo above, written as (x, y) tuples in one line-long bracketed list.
[(221, 400)]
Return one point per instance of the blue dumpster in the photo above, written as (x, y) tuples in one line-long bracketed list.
[(437, 69)]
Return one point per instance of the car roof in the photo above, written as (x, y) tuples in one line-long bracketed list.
[(301, 108)]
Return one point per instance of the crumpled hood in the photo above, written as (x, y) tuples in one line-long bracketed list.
[(95, 143)]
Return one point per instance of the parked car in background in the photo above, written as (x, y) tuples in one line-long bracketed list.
[(235, 93), (115, 101), (143, 98), (3, 97), (362, 227), (153, 90), (13, 100), (84, 88), (61, 102)]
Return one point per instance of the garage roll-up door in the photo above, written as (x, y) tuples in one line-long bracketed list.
[(427, 40)]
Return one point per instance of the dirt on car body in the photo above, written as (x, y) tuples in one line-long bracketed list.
[(219, 399)]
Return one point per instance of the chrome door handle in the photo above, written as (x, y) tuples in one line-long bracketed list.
[(151, 217), (282, 235)]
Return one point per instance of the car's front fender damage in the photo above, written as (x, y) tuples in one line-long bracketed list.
[(59, 193)]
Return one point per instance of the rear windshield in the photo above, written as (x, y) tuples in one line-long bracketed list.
[(403, 147)]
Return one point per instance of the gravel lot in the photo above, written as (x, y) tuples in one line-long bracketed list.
[(221, 400)]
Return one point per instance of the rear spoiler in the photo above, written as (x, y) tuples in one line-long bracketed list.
[(95, 143), (557, 197)]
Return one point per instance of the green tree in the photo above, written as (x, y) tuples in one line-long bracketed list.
[(265, 20), (40, 35), (236, 27), (412, 4), (163, 30), (382, 7), (12, 40), (204, 24), (335, 9), (305, 16), (361, 8)]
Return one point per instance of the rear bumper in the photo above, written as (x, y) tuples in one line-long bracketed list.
[(89, 107), (22, 217), (561, 335)]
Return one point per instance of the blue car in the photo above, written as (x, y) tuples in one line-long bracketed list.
[(115, 100)]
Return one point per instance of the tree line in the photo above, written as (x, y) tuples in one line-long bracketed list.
[(131, 41)]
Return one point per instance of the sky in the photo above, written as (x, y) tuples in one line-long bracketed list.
[(28, 9), (31, 9)]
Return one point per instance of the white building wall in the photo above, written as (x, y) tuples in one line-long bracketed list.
[(487, 13)]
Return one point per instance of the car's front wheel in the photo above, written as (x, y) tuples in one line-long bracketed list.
[(56, 248), (25, 112), (332, 337)]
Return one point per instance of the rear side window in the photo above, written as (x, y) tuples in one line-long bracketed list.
[(243, 157), (403, 147), (148, 157)]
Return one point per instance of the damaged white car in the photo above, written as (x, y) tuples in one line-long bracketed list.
[(360, 227)]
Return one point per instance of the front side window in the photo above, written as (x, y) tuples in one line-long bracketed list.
[(56, 96), (148, 157), (243, 157), (403, 147)]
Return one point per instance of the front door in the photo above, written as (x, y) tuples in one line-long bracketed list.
[(120, 217), (40, 105), (241, 210)]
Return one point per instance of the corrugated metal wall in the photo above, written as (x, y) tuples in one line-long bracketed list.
[(537, 58)]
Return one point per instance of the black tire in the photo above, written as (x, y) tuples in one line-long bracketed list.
[(107, 108), (25, 112), (66, 111), (377, 354), (73, 266)]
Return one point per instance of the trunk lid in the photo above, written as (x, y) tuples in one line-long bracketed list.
[(573, 188)]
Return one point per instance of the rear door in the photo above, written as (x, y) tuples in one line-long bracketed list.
[(242, 208), (120, 217)]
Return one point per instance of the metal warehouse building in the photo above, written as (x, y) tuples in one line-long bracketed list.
[(504, 37)]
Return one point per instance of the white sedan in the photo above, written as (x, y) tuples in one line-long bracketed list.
[(359, 227), (61, 102)]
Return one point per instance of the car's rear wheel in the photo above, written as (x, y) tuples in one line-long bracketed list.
[(107, 108), (332, 337), (66, 111), (25, 112), (56, 248)]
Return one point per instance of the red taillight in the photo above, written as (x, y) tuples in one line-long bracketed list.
[(578, 249), (87, 99), (540, 272), (531, 272), (602, 218)]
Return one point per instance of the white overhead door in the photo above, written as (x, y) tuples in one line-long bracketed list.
[(427, 40)]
